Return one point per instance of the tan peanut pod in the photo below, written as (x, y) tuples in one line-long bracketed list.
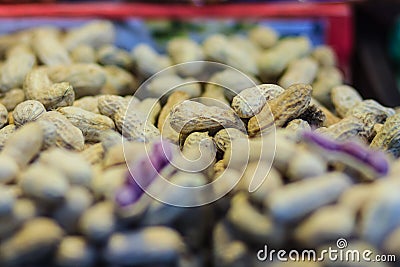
[(88, 103), (370, 112), (68, 136), (47, 45), (112, 55), (8, 169), (214, 95), (389, 137), (391, 244), (190, 116), (76, 201), (245, 44), (326, 225), (251, 225), (12, 98), (272, 62), (98, 222), (91, 124), (314, 116), (49, 134), (133, 126), (108, 105), (298, 125), (74, 251), (86, 79), (260, 170), (119, 81), (232, 82), (3, 115), (27, 111), (326, 80), (166, 84), (94, 34), (107, 183), (224, 137), (383, 203), (71, 164), (148, 62), (163, 123), (218, 48), (12, 39), (248, 102), (306, 165), (263, 36), (93, 154), (20, 60), (301, 70), (83, 54), (355, 197), (150, 107), (110, 139), (344, 130), (344, 98), (288, 105), (33, 242), (218, 168), (197, 139), (6, 133), (183, 50), (324, 55), (24, 144), (294, 201), (38, 86), (44, 183)]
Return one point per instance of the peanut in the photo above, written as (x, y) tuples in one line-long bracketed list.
[(263, 36), (38, 86), (111, 55), (148, 62), (5, 133), (20, 60), (301, 70), (74, 251), (190, 116), (94, 34), (288, 105), (224, 137), (3, 116), (27, 111), (88, 103), (89, 123), (119, 81), (344, 98), (68, 136), (12, 98), (83, 54), (324, 55), (327, 78), (48, 47), (388, 138), (182, 50), (86, 79)]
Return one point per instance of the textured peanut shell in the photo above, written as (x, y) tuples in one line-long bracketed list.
[(108, 105), (3, 116), (288, 105), (24, 144), (272, 62), (182, 50), (86, 79), (248, 102), (93, 154), (47, 45), (119, 81), (88, 103), (5, 133), (91, 124), (190, 116), (68, 136), (301, 70), (20, 60), (12, 98), (224, 137), (388, 138), (38, 86), (27, 111), (94, 34), (112, 55), (343, 130), (344, 97)]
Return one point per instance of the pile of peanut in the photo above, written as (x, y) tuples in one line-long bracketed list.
[(70, 126)]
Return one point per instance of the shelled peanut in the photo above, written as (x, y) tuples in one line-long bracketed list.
[(78, 152)]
